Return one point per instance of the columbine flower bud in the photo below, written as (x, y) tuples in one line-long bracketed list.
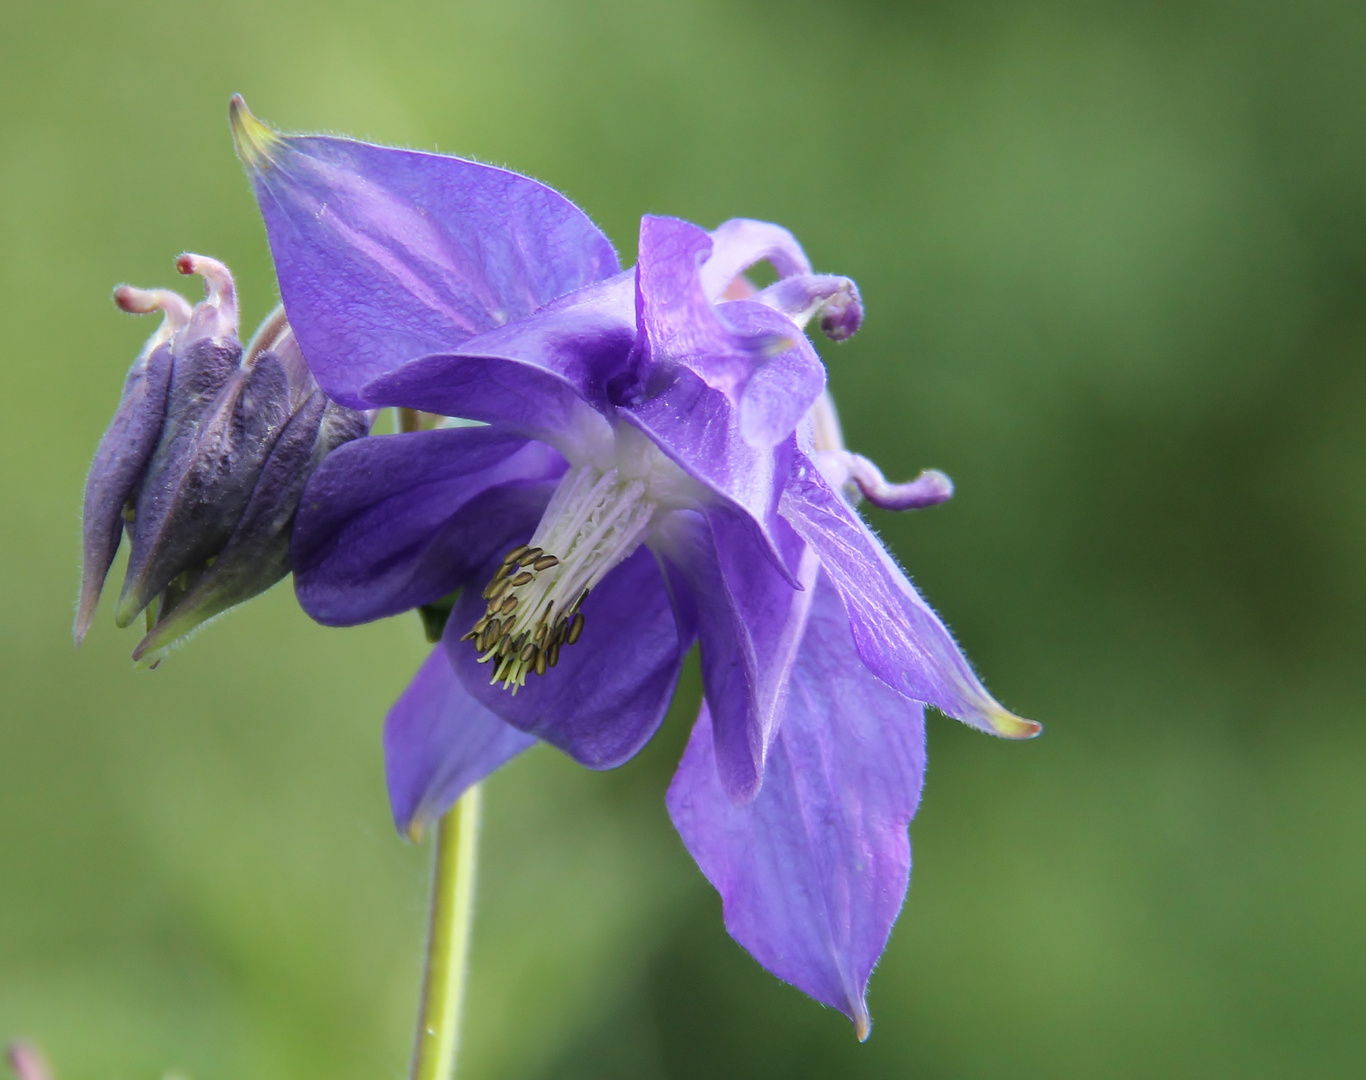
[(204, 462)]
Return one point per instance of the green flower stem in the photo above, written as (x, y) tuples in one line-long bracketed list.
[(448, 941)]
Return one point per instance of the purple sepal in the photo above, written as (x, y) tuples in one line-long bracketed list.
[(750, 620), (437, 742), (813, 872), (116, 472), (899, 637), (394, 521), (424, 251), (610, 690)]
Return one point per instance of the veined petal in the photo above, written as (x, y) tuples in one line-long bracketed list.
[(391, 522), (437, 742), (786, 382), (750, 620), (740, 243), (586, 337), (512, 395), (698, 428), (813, 872), (386, 255), (609, 692), (899, 637), (731, 346), (676, 321)]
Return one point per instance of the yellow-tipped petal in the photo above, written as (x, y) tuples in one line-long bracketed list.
[(255, 141)]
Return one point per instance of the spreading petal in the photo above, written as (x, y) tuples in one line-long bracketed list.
[(437, 742), (394, 521), (750, 351), (386, 255), (609, 692), (750, 620), (898, 636), (813, 872)]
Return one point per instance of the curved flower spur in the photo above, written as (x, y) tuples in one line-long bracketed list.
[(646, 459), (203, 463)]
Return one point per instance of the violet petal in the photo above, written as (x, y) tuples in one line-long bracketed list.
[(781, 389), (512, 395), (390, 522), (899, 637), (813, 872), (676, 321), (610, 691), (696, 426), (437, 742), (750, 620)]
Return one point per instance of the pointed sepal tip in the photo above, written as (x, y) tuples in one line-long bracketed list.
[(1009, 726), (256, 142)]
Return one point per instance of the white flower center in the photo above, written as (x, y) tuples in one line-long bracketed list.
[(594, 521)]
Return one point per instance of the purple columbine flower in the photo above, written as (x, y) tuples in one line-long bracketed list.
[(653, 461), (203, 463)]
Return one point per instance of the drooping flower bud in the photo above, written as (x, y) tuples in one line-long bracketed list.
[(204, 462)]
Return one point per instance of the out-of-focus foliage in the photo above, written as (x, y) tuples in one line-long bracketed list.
[(1114, 258)]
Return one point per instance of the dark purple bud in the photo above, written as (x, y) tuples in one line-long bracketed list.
[(204, 463), (256, 555), (124, 452)]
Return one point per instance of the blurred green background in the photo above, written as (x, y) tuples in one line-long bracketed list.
[(1114, 258)]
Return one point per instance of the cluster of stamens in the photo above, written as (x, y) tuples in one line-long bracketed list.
[(511, 636)]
